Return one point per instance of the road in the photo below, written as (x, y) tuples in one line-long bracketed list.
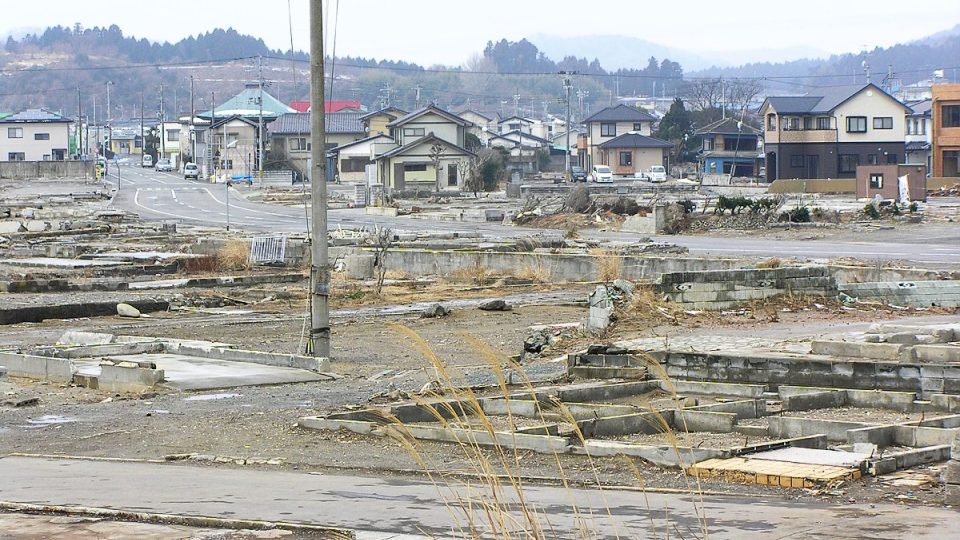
[(404, 506), (167, 196)]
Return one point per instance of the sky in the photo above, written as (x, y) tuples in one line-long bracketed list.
[(449, 32)]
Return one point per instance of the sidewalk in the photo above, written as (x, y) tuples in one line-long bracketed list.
[(407, 507)]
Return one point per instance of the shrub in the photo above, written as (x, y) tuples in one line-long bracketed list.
[(687, 205), (871, 211), (914, 207), (800, 214)]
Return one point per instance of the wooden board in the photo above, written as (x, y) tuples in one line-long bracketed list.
[(772, 473)]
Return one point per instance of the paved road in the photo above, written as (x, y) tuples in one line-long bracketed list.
[(167, 196), (398, 505)]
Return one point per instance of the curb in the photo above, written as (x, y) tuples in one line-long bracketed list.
[(172, 519)]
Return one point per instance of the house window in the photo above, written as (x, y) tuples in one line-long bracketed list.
[(823, 122), (740, 144), (173, 135), (608, 130), (771, 122), (198, 136), (849, 162), (871, 159), (856, 124), (707, 144), (638, 127), (951, 116), (793, 124), (626, 159), (513, 127), (892, 159), (14, 133), (882, 122), (951, 163), (138, 142), (413, 132), (807, 122), (232, 139), (16, 156), (228, 164), (41, 136), (354, 165), (796, 160), (299, 143), (876, 180), (451, 174), (414, 167), (46, 157)]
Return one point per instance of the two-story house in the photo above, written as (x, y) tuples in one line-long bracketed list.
[(290, 137), (620, 137), (828, 133), (428, 151), (376, 122), (34, 135), (946, 130), (729, 147), (481, 124)]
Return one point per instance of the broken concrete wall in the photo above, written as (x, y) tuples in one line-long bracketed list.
[(37, 367), (128, 378), (725, 289), (907, 293), (32, 170)]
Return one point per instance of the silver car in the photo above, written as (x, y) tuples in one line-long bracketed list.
[(163, 165)]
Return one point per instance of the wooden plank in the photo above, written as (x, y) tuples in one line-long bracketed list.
[(774, 473)]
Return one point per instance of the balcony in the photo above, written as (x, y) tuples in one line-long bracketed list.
[(802, 136)]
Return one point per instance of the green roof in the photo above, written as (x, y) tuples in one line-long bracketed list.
[(245, 104)]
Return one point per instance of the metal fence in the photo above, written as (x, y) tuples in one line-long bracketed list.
[(268, 249)]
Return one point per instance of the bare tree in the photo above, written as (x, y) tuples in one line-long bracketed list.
[(464, 167), (742, 92), (703, 94), (436, 154), (383, 240)]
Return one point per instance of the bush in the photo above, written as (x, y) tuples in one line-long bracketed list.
[(800, 214), (914, 207), (871, 211), (687, 205)]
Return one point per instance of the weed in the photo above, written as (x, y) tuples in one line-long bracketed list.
[(871, 211), (770, 263), (535, 271), (609, 264), (234, 255)]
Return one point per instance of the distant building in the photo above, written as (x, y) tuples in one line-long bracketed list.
[(946, 130), (620, 137), (919, 136), (729, 147), (34, 135), (827, 134), (290, 137)]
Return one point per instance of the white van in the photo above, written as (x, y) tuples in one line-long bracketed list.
[(657, 173), (602, 174), (146, 161)]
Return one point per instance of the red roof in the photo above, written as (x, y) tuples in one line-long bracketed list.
[(329, 106), (300, 106)]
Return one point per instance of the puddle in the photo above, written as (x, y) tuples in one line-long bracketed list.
[(210, 397), (49, 420)]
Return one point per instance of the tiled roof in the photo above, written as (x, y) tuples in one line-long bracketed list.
[(823, 101), (36, 115), (246, 104), (429, 108), (338, 122), (917, 146), (620, 113), (635, 140)]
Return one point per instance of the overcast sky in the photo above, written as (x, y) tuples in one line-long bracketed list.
[(448, 32)]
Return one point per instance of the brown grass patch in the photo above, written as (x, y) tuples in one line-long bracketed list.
[(535, 271), (773, 262), (609, 264), (234, 255)]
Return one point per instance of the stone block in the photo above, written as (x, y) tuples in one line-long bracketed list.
[(700, 296), (937, 353), (857, 349)]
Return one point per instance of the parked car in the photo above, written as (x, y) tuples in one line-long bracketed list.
[(146, 161), (164, 165), (577, 174), (190, 170), (657, 173), (602, 174)]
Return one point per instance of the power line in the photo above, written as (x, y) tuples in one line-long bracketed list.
[(127, 66)]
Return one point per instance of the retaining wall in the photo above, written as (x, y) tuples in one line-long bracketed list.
[(32, 170), (37, 367), (907, 293)]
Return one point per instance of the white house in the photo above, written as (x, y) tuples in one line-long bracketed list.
[(34, 135)]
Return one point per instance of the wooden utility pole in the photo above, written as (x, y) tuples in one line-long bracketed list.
[(319, 261)]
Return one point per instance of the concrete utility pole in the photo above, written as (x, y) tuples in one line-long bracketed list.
[(143, 139), (109, 110), (319, 261), (567, 85), (79, 124), (193, 126), (417, 89), (260, 119)]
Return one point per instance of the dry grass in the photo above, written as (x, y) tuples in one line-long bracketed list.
[(773, 262), (477, 273), (234, 255), (609, 264), (494, 503), (201, 265), (535, 271)]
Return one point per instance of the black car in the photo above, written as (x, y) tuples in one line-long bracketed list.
[(577, 174)]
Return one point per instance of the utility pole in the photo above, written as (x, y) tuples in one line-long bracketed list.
[(163, 116), (417, 90), (581, 96), (109, 110), (213, 115), (516, 112), (567, 85), (79, 124), (723, 100), (260, 119), (319, 260), (143, 139), (193, 126)]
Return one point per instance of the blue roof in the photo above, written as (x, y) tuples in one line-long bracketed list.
[(36, 115)]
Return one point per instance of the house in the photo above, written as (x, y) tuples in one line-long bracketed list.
[(234, 145), (919, 137), (290, 137), (523, 149), (946, 130), (620, 137), (329, 106), (729, 147), (429, 119), (515, 123), (125, 140), (411, 166), (376, 121), (828, 133), (170, 144), (34, 135), (481, 124), (351, 159)]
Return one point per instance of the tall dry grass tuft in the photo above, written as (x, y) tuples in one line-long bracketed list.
[(535, 271), (609, 264), (497, 505), (234, 255)]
